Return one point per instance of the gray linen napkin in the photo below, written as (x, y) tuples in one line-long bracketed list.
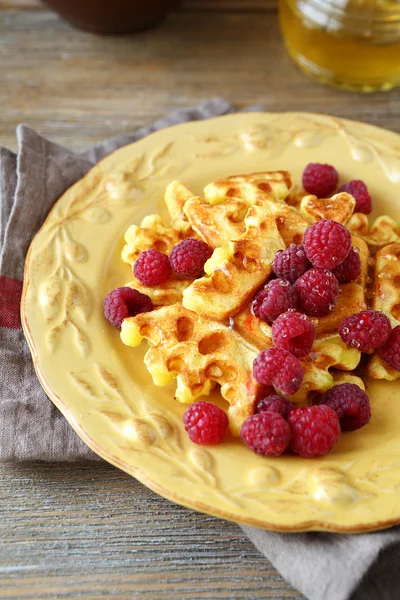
[(322, 566)]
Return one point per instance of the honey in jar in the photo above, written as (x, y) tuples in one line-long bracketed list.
[(353, 44)]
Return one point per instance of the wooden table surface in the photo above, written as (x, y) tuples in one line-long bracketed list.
[(84, 531)]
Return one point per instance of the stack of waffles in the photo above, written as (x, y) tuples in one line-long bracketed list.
[(203, 332)]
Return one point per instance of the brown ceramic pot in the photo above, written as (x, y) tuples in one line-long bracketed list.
[(113, 16)]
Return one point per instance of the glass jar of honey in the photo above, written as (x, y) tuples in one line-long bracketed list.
[(352, 44)]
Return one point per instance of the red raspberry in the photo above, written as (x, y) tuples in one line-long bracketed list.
[(326, 243), (349, 269), (350, 403), (390, 351), (277, 297), (360, 193), (317, 292), (277, 367), (315, 430), (124, 302), (365, 330), (292, 263), (294, 332), (320, 180), (266, 433), (188, 257), (152, 267), (275, 404), (205, 423)]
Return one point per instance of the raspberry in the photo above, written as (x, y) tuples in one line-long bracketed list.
[(292, 263), (349, 269), (365, 330), (294, 332), (317, 292), (266, 433), (124, 302), (275, 404), (320, 180), (188, 257), (350, 403), (390, 351), (314, 429), (360, 193), (152, 267), (277, 297), (326, 243), (205, 423), (277, 367)]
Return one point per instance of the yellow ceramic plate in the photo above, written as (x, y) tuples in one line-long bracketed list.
[(103, 388)]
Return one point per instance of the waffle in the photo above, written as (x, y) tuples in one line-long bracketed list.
[(175, 197), (152, 233), (274, 189), (203, 332), (235, 272), (383, 231), (339, 208), (386, 285), (164, 294), (199, 353), (386, 298), (277, 184), (217, 225)]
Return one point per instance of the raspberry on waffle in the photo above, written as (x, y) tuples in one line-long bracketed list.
[(151, 233)]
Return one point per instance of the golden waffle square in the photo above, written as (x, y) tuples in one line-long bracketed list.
[(339, 208), (199, 353), (176, 194), (386, 298), (383, 231), (386, 284), (217, 225), (165, 293), (235, 272), (290, 223), (277, 184), (151, 233)]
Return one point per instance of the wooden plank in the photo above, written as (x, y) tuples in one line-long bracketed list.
[(83, 531), (78, 88), (21, 5), (196, 5)]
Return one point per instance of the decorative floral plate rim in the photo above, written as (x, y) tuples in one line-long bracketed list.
[(87, 373)]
